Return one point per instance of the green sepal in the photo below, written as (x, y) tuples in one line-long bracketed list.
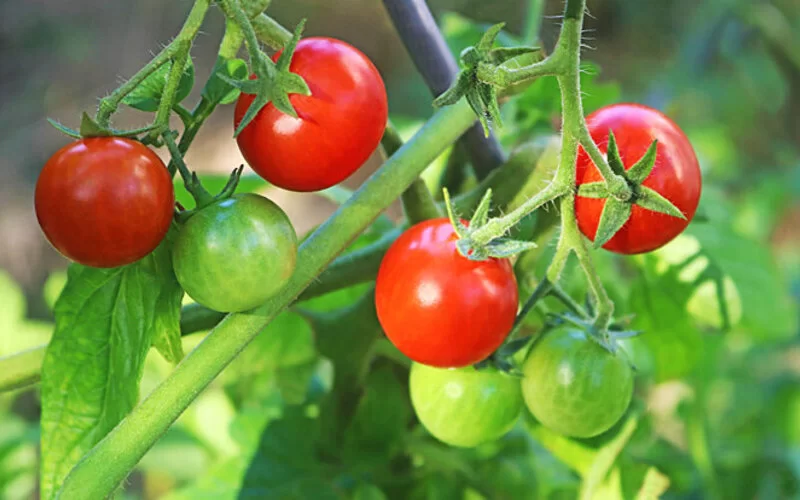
[(456, 91), (64, 129), (488, 95), (503, 54), (642, 168), (458, 226), (475, 102), (615, 214), (593, 190), (274, 83), (652, 200), (503, 248), (90, 128), (481, 214), (488, 38), (612, 153)]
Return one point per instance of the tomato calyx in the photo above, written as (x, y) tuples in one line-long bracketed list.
[(273, 82), (90, 128), (203, 198), (500, 247), (482, 59), (617, 211)]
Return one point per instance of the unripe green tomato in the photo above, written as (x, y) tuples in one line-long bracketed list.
[(464, 406), (574, 386), (233, 255)]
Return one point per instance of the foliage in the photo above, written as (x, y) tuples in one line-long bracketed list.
[(317, 405)]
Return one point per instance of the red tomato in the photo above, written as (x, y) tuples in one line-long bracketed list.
[(676, 176), (338, 126), (438, 307), (104, 201)]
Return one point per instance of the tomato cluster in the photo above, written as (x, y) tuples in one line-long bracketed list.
[(109, 201)]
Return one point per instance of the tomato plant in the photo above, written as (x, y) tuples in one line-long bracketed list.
[(236, 253), (574, 386), (464, 407), (336, 129), (438, 307), (104, 201), (675, 175)]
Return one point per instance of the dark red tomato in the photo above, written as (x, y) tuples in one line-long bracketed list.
[(676, 176), (438, 307), (104, 201), (338, 126)]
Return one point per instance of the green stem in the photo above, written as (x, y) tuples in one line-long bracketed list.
[(171, 87), (559, 293), (233, 10), (270, 32), (418, 203), (541, 291), (21, 369), (108, 105), (193, 186), (110, 461), (231, 41), (533, 21)]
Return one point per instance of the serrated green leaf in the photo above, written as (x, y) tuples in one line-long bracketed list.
[(615, 214), (652, 200), (593, 190), (642, 168), (217, 89), (105, 321), (147, 95), (167, 320)]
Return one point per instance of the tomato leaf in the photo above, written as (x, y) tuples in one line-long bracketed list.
[(147, 95), (381, 417), (605, 458), (615, 214), (768, 311), (105, 321), (655, 484), (167, 321), (652, 200), (216, 89)]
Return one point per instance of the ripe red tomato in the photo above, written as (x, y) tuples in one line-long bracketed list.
[(104, 201), (676, 176), (338, 126), (438, 307)]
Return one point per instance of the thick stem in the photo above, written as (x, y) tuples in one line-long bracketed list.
[(231, 41), (22, 369), (170, 89), (110, 461), (109, 104), (270, 32)]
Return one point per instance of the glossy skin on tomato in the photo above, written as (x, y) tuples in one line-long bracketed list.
[(464, 407), (233, 255), (438, 307), (104, 201), (338, 126), (675, 175), (574, 386)]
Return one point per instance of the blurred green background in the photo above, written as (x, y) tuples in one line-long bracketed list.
[(727, 71)]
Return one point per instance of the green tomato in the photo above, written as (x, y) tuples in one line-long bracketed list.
[(233, 255), (464, 407), (574, 386)]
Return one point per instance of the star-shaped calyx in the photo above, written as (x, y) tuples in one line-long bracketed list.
[(616, 212), (500, 247), (273, 82), (481, 96)]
